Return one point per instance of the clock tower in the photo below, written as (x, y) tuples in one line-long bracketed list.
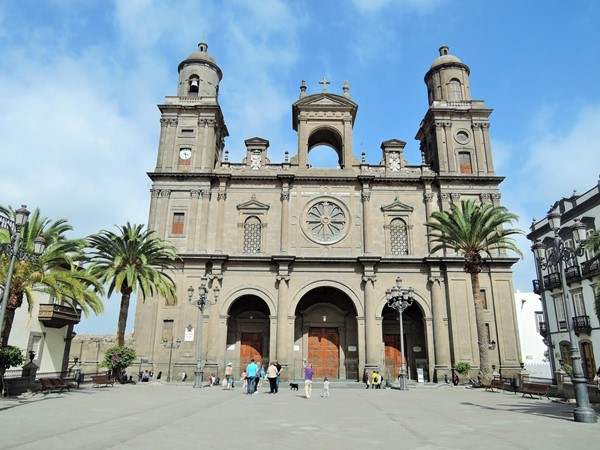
[(193, 130)]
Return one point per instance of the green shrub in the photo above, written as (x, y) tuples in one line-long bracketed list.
[(10, 356), (462, 368), (117, 359)]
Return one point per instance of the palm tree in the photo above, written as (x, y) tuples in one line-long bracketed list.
[(56, 272), (474, 230), (130, 260), (593, 245)]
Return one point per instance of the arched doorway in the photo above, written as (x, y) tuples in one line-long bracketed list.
[(326, 334), (415, 348), (247, 332)]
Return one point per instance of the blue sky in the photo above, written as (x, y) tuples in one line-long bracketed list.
[(80, 80)]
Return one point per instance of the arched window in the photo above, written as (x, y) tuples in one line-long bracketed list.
[(252, 235), (193, 86), (455, 90), (399, 237), (464, 162)]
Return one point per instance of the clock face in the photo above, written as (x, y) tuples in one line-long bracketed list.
[(185, 154)]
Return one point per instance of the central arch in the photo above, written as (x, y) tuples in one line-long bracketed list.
[(326, 334)]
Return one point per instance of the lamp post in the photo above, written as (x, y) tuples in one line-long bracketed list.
[(399, 299), (170, 346), (202, 302), (13, 250), (555, 256)]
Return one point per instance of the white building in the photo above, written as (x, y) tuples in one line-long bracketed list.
[(47, 331), (530, 314), (576, 309)]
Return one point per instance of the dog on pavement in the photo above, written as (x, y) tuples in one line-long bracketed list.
[(293, 386)]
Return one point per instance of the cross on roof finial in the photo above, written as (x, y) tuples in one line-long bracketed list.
[(324, 82)]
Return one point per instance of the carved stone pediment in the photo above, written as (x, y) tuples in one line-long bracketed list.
[(397, 207), (325, 99), (253, 206)]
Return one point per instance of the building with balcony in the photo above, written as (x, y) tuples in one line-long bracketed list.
[(47, 331), (581, 278)]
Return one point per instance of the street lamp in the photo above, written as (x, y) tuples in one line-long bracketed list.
[(399, 299), (170, 346), (202, 302), (556, 256), (12, 249)]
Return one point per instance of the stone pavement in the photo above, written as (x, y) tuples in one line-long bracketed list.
[(157, 416)]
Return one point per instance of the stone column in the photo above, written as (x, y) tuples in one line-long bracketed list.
[(441, 335), (192, 219), (221, 197), (442, 146), (163, 213), (451, 158), (366, 202), (373, 341), (282, 318), (200, 238), (214, 330), (162, 150), (428, 200), (170, 137), (154, 194), (285, 212)]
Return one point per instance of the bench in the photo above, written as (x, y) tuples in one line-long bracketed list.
[(105, 380), (532, 389), (496, 383), (53, 384)]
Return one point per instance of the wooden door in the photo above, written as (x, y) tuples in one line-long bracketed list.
[(392, 354), (251, 347), (587, 359), (324, 351)]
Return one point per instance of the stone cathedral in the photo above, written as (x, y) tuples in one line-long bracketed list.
[(302, 256)]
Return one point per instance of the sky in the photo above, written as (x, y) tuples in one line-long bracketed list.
[(80, 81)]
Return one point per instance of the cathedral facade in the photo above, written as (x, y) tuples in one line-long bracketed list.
[(301, 257)]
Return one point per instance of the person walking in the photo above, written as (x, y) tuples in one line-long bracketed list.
[(374, 380), (229, 376), (367, 379), (308, 376), (272, 377), (251, 373), (326, 386), (279, 369)]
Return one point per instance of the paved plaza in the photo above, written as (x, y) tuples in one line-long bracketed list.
[(158, 416)]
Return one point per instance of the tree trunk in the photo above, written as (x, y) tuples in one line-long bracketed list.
[(123, 312), (9, 318), (485, 370)]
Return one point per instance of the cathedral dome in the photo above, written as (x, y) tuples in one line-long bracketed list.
[(201, 56), (446, 58)]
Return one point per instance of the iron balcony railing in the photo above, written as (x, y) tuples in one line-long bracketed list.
[(551, 280), (591, 269), (581, 324)]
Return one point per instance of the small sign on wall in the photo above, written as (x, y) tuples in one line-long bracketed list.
[(296, 348), (188, 335), (417, 349), (352, 348)]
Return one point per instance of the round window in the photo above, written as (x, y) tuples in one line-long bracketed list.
[(462, 137), (326, 221)]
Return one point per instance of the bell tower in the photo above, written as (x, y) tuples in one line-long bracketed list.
[(325, 119), (193, 129), (454, 133)]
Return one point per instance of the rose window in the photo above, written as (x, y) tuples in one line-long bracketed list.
[(326, 221)]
